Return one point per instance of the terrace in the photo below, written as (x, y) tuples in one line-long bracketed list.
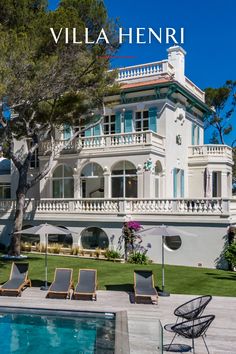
[(121, 206), (142, 319)]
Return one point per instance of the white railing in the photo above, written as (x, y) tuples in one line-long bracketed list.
[(7, 205), (210, 150), (194, 89), (106, 141), (201, 206), (145, 70)]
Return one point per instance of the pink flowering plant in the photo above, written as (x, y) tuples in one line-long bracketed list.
[(130, 236), (134, 225)]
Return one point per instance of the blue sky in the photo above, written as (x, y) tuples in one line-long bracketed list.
[(210, 33)]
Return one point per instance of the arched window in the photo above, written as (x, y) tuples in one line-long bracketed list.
[(158, 170), (63, 182), (92, 181), (5, 166), (124, 180), (94, 237)]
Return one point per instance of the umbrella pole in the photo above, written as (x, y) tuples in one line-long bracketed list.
[(45, 287), (163, 292), (46, 262)]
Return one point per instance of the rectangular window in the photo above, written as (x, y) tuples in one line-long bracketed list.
[(34, 162), (216, 184), (141, 121), (109, 124), (195, 134), (178, 183), (5, 191)]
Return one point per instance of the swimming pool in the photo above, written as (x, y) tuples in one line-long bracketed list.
[(43, 331)]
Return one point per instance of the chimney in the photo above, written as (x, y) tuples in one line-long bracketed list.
[(176, 57)]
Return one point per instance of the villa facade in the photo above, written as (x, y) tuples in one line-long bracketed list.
[(146, 160)]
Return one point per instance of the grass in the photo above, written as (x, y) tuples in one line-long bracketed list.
[(118, 276)]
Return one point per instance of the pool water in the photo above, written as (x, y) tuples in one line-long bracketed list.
[(22, 333)]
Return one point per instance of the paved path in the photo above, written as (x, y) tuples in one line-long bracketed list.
[(143, 318)]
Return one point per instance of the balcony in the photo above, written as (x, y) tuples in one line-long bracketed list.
[(210, 153), (112, 141), (154, 71), (120, 206)]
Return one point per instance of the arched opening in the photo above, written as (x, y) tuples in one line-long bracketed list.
[(92, 181), (63, 182), (158, 170), (124, 180), (29, 238), (5, 166), (63, 240), (94, 237), (173, 243)]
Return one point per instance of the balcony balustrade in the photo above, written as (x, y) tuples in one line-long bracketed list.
[(106, 141), (210, 151), (203, 206)]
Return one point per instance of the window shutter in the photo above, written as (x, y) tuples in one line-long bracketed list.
[(118, 122), (182, 184), (198, 135), (67, 132), (96, 130), (175, 183), (88, 132), (152, 117), (128, 121), (193, 129)]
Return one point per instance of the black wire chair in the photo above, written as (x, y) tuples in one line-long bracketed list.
[(193, 308), (194, 329), (190, 310)]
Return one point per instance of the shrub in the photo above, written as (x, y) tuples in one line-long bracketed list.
[(81, 252), (98, 252), (75, 250), (54, 248), (138, 258), (230, 255), (25, 246), (112, 254)]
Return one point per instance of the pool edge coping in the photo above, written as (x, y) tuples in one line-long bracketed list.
[(121, 333)]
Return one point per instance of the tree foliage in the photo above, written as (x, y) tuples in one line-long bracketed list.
[(47, 85), (223, 102)]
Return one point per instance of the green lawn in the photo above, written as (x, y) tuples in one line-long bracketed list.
[(117, 276)]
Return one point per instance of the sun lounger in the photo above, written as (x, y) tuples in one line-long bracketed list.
[(144, 285), (62, 283), (18, 280), (87, 284)]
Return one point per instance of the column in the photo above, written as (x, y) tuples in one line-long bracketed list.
[(140, 181), (107, 183), (224, 185), (148, 185), (77, 194)]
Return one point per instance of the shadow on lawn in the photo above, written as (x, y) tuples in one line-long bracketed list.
[(231, 276)]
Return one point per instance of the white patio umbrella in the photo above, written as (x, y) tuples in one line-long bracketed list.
[(164, 231), (45, 229)]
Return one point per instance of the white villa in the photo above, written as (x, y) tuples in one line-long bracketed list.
[(147, 160)]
